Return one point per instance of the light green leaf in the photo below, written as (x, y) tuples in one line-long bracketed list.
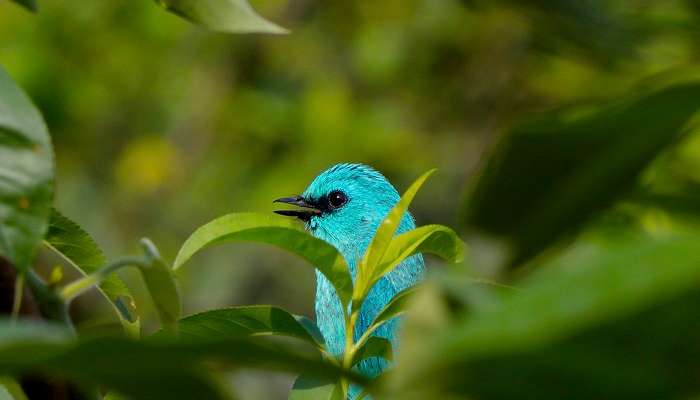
[(26, 175), (434, 239), (312, 388), (76, 247), (375, 346), (10, 389), (395, 307), (258, 320), (235, 16), (381, 240), (162, 287), (30, 5), (278, 231)]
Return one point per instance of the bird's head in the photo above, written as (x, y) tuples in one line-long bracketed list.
[(344, 204)]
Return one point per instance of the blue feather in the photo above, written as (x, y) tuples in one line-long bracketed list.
[(350, 229)]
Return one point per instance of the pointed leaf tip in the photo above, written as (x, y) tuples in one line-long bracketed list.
[(232, 16), (30, 5)]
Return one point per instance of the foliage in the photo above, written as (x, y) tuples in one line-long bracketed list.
[(81, 252), (567, 165), (277, 231), (235, 16), (29, 4), (598, 316), (581, 279), (26, 175)]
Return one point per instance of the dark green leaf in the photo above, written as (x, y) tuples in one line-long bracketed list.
[(374, 347), (160, 367), (311, 328), (30, 5), (162, 287), (26, 175), (235, 16), (547, 177), (278, 231), (615, 321), (312, 388), (76, 246), (593, 27), (256, 320)]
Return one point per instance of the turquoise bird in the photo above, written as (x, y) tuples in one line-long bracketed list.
[(344, 206)]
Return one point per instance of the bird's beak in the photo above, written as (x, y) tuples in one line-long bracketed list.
[(304, 215)]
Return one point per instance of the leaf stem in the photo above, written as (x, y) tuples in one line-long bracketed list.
[(18, 295), (77, 287)]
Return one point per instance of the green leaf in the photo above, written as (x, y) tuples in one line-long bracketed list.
[(76, 247), (235, 16), (311, 329), (26, 175), (382, 239), (604, 321), (10, 389), (395, 307), (278, 231), (548, 177), (159, 367), (375, 346), (258, 320), (30, 5), (312, 388), (434, 239), (162, 287)]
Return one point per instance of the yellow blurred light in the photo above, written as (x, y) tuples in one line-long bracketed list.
[(146, 165)]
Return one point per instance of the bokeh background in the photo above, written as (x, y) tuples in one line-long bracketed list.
[(160, 126)]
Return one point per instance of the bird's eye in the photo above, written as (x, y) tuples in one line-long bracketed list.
[(337, 199)]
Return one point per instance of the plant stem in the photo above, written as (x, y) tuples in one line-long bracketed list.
[(75, 288), (18, 295), (51, 305), (349, 352), (365, 336)]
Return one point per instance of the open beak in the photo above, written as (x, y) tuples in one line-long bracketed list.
[(305, 214)]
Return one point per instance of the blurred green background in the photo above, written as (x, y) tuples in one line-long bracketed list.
[(160, 125)]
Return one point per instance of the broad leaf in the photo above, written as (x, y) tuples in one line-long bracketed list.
[(381, 240), (614, 321), (162, 367), (76, 247), (30, 5), (26, 175), (312, 388), (235, 16), (162, 287), (278, 231), (374, 347), (256, 320), (548, 177)]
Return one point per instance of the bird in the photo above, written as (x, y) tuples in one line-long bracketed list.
[(344, 206)]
